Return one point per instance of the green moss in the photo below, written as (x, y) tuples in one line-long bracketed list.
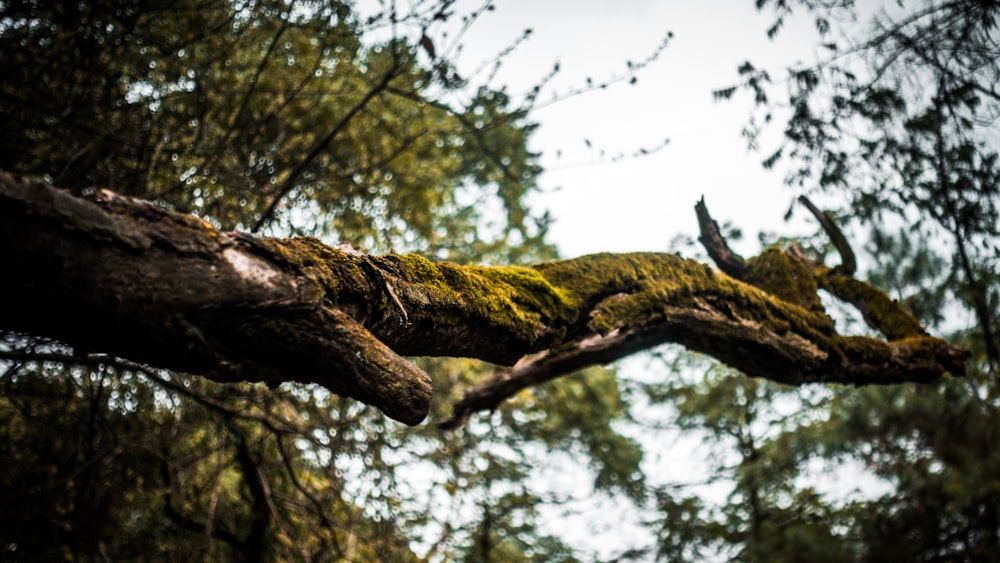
[(784, 277), (632, 288), (528, 288), (332, 270), (615, 290), (516, 298), (880, 312), (418, 269), (598, 275)]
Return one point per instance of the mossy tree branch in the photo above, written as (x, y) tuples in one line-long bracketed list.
[(715, 244), (120, 276)]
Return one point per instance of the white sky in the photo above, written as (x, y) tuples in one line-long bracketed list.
[(640, 203)]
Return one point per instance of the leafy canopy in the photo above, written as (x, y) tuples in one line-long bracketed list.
[(287, 118)]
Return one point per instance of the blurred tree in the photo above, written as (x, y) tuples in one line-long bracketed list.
[(296, 117), (244, 112), (899, 125), (770, 516), (302, 117)]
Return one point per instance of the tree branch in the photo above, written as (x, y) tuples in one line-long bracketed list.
[(711, 238), (132, 279), (848, 263)]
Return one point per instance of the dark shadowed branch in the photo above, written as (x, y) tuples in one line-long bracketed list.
[(718, 250)]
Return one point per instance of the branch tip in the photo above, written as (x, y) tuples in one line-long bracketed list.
[(848, 262), (713, 241)]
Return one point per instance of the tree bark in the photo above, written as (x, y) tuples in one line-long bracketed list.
[(129, 278)]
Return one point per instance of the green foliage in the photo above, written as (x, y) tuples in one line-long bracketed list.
[(932, 444), (264, 114), (132, 464), (104, 462), (496, 466), (56, 480), (288, 118), (897, 126), (767, 517), (302, 118), (921, 279), (575, 414), (900, 126)]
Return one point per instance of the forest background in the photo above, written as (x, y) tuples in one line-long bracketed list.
[(369, 124)]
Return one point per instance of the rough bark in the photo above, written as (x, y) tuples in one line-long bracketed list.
[(116, 275)]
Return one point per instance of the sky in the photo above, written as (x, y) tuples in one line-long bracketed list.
[(640, 203)]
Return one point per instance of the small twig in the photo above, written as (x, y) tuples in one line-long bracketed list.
[(388, 288), (399, 304)]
